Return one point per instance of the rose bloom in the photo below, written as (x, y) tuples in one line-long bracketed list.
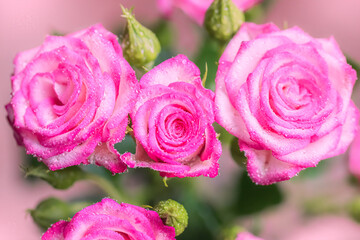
[(69, 96), (246, 236), (109, 220), (286, 96), (196, 9), (172, 122)]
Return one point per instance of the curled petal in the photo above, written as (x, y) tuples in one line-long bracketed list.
[(265, 169), (56, 231)]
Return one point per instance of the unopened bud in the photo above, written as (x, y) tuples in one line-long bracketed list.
[(140, 45), (49, 211), (223, 19), (173, 214)]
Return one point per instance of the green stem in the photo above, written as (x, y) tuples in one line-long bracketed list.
[(221, 47), (106, 186)]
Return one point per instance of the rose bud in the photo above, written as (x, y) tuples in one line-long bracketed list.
[(140, 45), (223, 19), (173, 214), (50, 211)]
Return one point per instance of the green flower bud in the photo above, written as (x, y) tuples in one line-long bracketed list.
[(354, 209), (140, 45), (49, 211), (223, 19), (173, 214), (60, 179)]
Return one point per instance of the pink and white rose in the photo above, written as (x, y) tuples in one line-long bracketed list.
[(286, 96), (109, 220), (196, 9), (71, 98), (172, 122)]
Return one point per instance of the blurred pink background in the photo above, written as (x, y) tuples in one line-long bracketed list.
[(24, 24)]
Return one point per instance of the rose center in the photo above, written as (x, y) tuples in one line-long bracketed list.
[(63, 84), (295, 93), (176, 127)]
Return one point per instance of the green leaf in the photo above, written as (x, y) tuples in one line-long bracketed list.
[(60, 179), (126, 145), (251, 198)]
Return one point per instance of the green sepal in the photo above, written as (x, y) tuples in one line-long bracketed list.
[(60, 179)]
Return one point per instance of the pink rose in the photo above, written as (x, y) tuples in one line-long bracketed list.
[(286, 96), (69, 96), (172, 122), (196, 9), (109, 220), (246, 236)]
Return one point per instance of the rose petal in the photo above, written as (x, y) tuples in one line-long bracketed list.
[(55, 232), (177, 69), (265, 169), (247, 32)]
